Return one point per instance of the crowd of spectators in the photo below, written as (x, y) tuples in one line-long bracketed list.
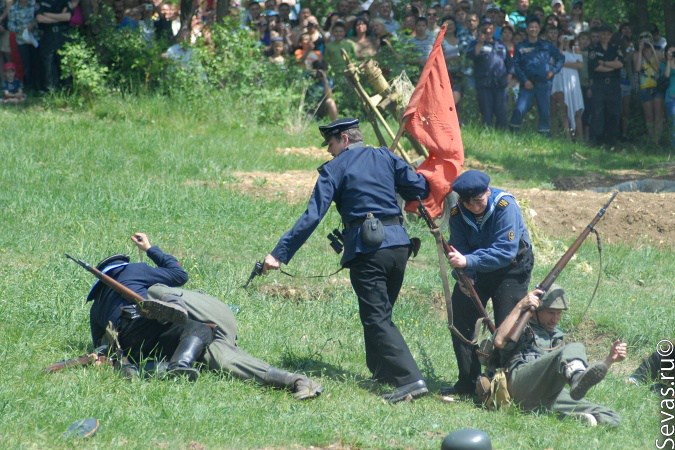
[(583, 74)]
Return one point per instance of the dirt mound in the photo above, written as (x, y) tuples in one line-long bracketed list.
[(634, 218)]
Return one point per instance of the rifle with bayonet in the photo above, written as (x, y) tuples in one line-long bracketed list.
[(518, 327), (461, 275)]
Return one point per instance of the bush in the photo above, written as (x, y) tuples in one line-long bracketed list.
[(80, 64)]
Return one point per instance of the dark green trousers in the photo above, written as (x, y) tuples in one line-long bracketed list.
[(222, 354)]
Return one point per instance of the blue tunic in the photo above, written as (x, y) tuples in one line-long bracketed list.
[(492, 65), (534, 61), (493, 243), (138, 277), (359, 180)]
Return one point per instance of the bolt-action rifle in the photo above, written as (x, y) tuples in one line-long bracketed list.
[(461, 275), (112, 283), (518, 327)]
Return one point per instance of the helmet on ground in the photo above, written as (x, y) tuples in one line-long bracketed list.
[(467, 439)]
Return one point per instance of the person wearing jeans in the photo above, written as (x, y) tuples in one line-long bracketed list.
[(535, 62)]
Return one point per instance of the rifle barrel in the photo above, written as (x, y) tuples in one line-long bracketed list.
[(549, 279), (112, 283)]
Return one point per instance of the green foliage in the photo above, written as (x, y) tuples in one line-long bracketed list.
[(80, 64), (135, 63)]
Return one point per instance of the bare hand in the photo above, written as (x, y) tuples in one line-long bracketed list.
[(531, 300), (456, 259), (528, 85), (270, 263), (141, 240), (617, 352)]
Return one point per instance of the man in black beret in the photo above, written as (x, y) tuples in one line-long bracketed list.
[(492, 246)]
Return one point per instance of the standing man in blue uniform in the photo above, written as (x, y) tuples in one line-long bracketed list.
[(535, 62), (364, 181), (605, 61), (492, 69), (493, 247), (166, 331)]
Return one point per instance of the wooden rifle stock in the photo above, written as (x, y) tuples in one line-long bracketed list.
[(98, 356), (518, 327), (461, 275), (113, 284)]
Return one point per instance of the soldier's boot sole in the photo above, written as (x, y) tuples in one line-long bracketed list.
[(163, 312), (586, 380)]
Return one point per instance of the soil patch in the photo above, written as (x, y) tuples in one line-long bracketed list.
[(634, 218)]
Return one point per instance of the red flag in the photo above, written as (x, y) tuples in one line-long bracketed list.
[(431, 118)]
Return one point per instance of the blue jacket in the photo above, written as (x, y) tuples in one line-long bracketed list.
[(492, 244), (492, 65), (533, 61), (359, 180), (138, 277)]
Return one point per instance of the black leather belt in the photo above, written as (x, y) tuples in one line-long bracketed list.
[(389, 220)]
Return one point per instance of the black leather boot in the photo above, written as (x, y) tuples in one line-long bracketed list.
[(188, 351)]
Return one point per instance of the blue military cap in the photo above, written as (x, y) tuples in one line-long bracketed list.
[(471, 183), (108, 264), (336, 127)]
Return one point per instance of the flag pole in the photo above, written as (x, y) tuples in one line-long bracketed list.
[(399, 133)]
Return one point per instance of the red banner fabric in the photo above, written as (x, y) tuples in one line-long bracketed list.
[(431, 118)]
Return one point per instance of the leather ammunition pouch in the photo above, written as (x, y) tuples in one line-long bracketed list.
[(372, 228)]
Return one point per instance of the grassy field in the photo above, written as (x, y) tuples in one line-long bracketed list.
[(83, 182)]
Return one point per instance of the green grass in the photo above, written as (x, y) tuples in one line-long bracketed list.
[(83, 181)]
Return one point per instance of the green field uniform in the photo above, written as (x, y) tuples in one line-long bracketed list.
[(222, 354), (536, 375)]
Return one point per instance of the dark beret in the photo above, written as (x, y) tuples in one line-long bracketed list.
[(336, 127), (471, 183), (108, 264)]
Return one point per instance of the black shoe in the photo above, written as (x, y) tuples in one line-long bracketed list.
[(407, 392), (456, 390), (583, 381)]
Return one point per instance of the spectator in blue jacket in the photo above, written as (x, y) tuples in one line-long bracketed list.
[(535, 63), (492, 68)]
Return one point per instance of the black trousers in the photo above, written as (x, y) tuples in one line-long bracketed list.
[(377, 278), (606, 104), (144, 338), (505, 287)]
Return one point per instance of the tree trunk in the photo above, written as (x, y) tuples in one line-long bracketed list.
[(669, 16)]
